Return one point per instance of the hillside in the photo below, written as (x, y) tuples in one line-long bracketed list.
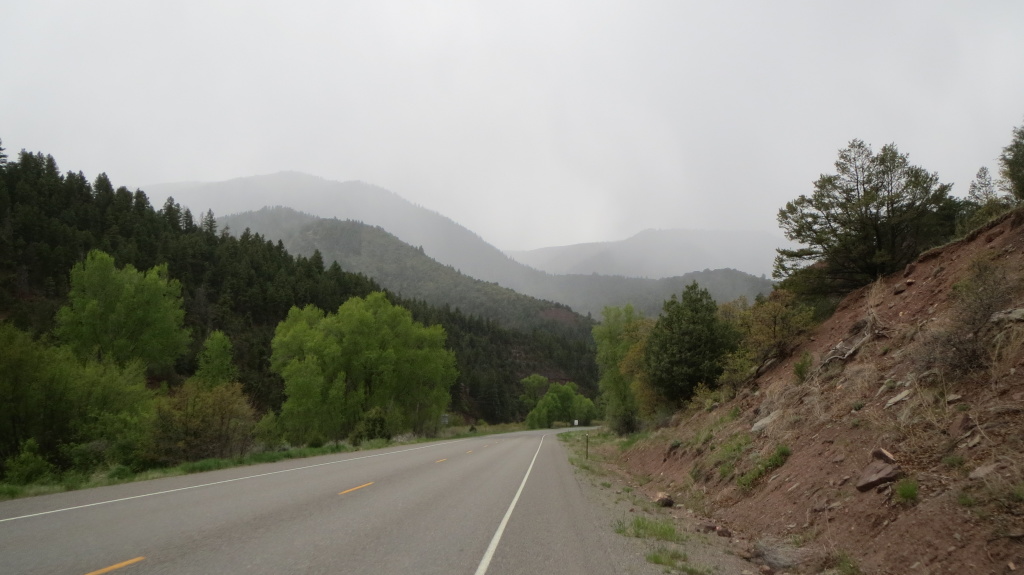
[(413, 273), (660, 254), (441, 238), (401, 268), (918, 377)]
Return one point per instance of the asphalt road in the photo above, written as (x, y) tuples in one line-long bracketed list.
[(498, 505)]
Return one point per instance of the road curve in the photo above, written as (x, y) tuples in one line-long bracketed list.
[(492, 505)]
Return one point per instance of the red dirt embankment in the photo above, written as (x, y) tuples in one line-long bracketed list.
[(884, 374)]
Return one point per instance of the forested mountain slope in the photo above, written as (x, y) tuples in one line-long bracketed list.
[(240, 285), (411, 272)]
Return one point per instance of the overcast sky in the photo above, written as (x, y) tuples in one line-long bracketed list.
[(531, 123)]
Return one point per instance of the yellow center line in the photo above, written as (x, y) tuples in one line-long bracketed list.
[(354, 488), (118, 566), (440, 460), (470, 451)]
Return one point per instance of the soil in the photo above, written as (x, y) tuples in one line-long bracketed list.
[(882, 376)]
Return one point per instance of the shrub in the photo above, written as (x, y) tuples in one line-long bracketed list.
[(28, 466), (906, 491)]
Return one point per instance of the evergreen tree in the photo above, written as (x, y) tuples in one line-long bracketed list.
[(1011, 165), (871, 218), (687, 345)]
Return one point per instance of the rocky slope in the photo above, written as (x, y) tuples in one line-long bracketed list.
[(905, 434)]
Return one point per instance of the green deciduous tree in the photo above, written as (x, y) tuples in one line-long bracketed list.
[(336, 367), (687, 345), (616, 336), (123, 314), (78, 413), (767, 330), (562, 403), (870, 218)]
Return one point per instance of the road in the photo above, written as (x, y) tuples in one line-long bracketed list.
[(496, 505)]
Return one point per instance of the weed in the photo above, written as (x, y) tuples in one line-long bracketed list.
[(906, 491), (627, 489), (857, 406), (605, 484)]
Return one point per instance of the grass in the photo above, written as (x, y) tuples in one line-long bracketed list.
[(906, 491), (629, 441), (764, 466), (954, 461), (674, 560), (845, 565), (118, 474), (646, 528), (729, 453)]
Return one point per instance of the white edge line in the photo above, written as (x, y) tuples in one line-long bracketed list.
[(485, 561), (228, 481)]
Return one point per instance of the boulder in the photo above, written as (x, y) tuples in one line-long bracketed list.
[(878, 473), (663, 499), (763, 422)]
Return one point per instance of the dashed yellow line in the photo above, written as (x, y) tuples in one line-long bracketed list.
[(470, 451), (113, 567), (354, 488), (440, 460)]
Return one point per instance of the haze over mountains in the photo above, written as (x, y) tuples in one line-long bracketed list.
[(660, 254), (444, 243)]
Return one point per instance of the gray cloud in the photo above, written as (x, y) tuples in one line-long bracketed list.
[(532, 123)]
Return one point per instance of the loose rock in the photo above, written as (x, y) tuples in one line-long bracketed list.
[(878, 473)]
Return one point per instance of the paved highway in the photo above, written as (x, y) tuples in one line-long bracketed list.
[(496, 505)]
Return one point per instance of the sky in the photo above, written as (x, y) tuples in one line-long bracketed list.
[(532, 123)]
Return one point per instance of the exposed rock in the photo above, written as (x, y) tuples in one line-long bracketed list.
[(984, 470), (884, 455), (900, 288), (953, 398), (723, 532), (902, 396), (878, 473), (663, 499), (1007, 316), (763, 423)]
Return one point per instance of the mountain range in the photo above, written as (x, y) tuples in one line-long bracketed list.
[(337, 218)]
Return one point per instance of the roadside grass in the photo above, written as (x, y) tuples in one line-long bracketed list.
[(764, 466), (674, 560), (646, 528), (117, 474)]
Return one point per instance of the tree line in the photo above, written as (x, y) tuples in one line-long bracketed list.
[(232, 293)]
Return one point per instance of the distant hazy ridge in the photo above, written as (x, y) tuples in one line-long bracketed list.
[(445, 244)]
